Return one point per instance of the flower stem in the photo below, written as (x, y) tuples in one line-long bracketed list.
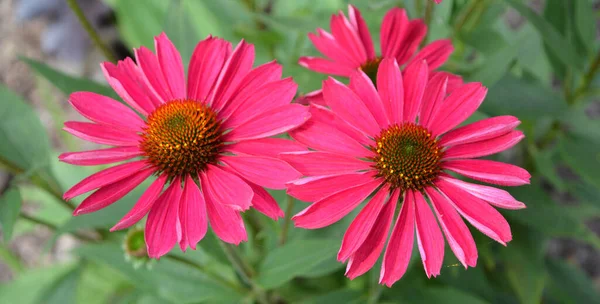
[(35, 220), (244, 270), (287, 220), (463, 18), (90, 30), (206, 271), (375, 294), (587, 80)]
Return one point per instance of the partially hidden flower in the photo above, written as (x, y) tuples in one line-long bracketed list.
[(206, 139), (400, 142), (349, 47)]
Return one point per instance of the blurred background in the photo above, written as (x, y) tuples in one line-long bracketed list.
[(540, 60)]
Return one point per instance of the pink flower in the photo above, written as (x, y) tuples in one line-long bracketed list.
[(349, 47), (401, 141), (206, 140)]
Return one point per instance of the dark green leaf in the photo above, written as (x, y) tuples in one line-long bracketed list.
[(556, 13), (63, 290), (585, 23), (294, 259), (583, 156), (571, 284), (339, 296), (10, 207), (439, 295)]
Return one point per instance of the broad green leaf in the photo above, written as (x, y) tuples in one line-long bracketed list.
[(63, 290), (558, 44), (348, 296), (10, 208), (487, 41), (585, 23), (326, 267), (581, 125), (570, 284), (583, 156), (556, 13), (66, 83), (545, 162), (439, 295), (296, 258), (27, 287), (524, 99), (180, 30), (24, 142), (99, 284), (139, 22), (496, 65)]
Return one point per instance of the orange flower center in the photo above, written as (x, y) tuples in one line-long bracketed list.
[(370, 68), (407, 156), (182, 137)]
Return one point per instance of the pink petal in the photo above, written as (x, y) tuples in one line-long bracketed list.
[(100, 157), (363, 87), (457, 107), (361, 28), (485, 147), (171, 65), (325, 43), (225, 222), (324, 137), (271, 95), (349, 107), (105, 111), (325, 66), (393, 28), (269, 147), (429, 237), (399, 249), (314, 97), (331, 209), (254, 81), (143, 205), (312, 163), (415, 32), (163, 228), (415, 80), (102, 134), (457, 233), (228, 189), (370, 250), (433, 98), (435, 53), (479, 213), (497, 197), (125, 79), (151, 71), (391, 89), (105, 177), (109, 194), (315, 188), (206, 63), (454, 81), (359, 229), (264, 203), (325, 115), (235, 68), (192, 215), (481, 130), (348, 37), (489, 171), (268, 172), (272, 122)]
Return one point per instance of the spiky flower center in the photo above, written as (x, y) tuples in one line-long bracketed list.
[(370, 68), (407, 156), (182, 137)]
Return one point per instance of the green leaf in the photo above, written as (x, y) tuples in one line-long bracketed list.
[(583, 156), (139, 23), (180, 30), (558, 44), (66, 83), (545, 162), (585, 23), (63, 290), (339, 296), (439, 295), (24, 143), (294, 259), (326, 267), (571, 285), (10, 207), (99, 284), (524, 99), (27, 287), (556, 13)]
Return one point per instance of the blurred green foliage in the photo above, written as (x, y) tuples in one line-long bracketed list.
[(542, 70)]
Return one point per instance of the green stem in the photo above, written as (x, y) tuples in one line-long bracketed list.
[(90, 30), (206, 271), (375, 294), (35, 220), (10, 259), (287, 220), (244, 270), (463, 18), (587, 80), (427, 17)]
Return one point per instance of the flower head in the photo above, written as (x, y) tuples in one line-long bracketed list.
[(206, 140), (398, 141)]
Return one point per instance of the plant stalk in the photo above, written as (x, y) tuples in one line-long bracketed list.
[(90, 30)]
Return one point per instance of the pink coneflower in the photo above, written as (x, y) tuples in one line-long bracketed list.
[(400, 140), (206, 139), (349, 47)]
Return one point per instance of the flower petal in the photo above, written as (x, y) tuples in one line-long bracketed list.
[(361, 28), (457, 107), (457, 233), (399, 249), (429, 237), (416, 77), (105, 177), (311, 163), (100, 157), (127, 80), (349, 107), (102, 134), (365, 257), (314, 97), (106, 111), (192, 215), (143, 205), (163, 228), (228, 189), (414, 34), (225, 222), (435, 53), (235, 68), (331, 209), (171, 65), (363, 87), (391, 89), (268, 147), (481, 130), (496, 197), (264, 203), (485, 147), (325, 66), (393, 27), (347, 37), (315, 188), (479, 213), (206, 63), (489, 171), (433, 98), (268, 172), (272, 122), (325, 43), (150, 68)]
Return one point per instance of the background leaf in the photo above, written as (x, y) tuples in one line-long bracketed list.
[(10, 208)]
